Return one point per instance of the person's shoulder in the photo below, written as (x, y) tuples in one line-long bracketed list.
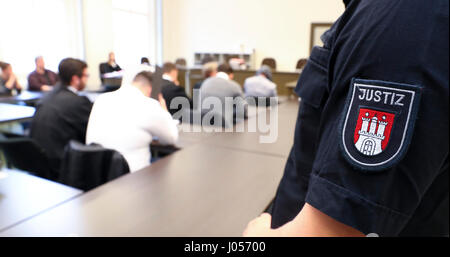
[(270, 82), (208, 80), (57, 98), (251, 79), (32, 74), (234, 84), (67, 97), (51, 72), (152, 102), (170, 85), (208, 83), (152, 106), (104, 98)]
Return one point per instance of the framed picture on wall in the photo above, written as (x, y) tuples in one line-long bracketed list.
[(317, 29)]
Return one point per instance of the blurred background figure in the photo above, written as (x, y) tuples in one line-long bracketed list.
[(110, 66), (208, 59), (221, 87), (181, 63), (128, 120), (225, 72), (145, 61), (209, 70), (238, 64), (9, 83), (62, 115), (41, 79), (261, 84), (271, 62), (171, 88)]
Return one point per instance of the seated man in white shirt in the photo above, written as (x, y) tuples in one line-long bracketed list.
[(261, 85), (127, 121)]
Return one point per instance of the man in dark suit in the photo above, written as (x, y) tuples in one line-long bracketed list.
[(171, 87), (63, 115)]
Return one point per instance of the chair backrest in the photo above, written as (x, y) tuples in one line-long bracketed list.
[(102, 70), (301, 64), (271, 62), (181, 62), (88, 166), (25, 154)]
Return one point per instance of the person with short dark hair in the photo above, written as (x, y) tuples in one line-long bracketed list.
[(41, 79), (128, 119), (145, 61), (8, 80), (171, 88), (224, 70), (62, 115)]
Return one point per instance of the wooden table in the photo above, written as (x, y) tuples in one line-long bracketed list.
[(15, 113), (194, 192), (213, 186), (23, 196), (285, 115), (27, 97)]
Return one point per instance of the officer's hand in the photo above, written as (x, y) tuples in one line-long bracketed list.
[(260, 227)]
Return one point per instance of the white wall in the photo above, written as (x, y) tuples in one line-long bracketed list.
[(123, 34), (50, 28), (274, 28), (98, 36)]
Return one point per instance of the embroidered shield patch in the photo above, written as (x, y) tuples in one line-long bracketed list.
[(378, 123)]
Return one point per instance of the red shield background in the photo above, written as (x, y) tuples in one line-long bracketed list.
[(372, 113)]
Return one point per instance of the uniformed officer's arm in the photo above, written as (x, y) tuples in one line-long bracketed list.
[(310, 222)]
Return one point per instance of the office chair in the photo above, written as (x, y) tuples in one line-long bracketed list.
[(25, 154), (181, 62), (103, 67), (301, 64), (88, 166), (271, 62)]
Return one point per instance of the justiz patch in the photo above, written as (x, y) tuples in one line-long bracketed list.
[(378, 123)]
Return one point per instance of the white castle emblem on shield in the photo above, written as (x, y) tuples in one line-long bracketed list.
[(369, 142)]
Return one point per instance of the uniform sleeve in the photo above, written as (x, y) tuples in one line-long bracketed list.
[(377, 199)]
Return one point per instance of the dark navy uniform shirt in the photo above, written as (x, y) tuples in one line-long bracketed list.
[(371, 143)]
